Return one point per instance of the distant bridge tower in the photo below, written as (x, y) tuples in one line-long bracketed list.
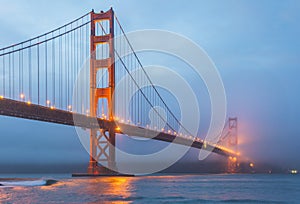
[(102, 141), (232, 143)]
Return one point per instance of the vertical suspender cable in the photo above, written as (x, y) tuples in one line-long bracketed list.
[(65, 68), (3, 74), (46, 71), (38, 71), (30, 71), (72, 64), (22, 70), (19, 75), (13, 73), (53, 70), (60, 71), (68, 70), (9, 76)]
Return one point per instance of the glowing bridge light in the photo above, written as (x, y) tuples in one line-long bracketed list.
[(48, 102), (22, 96), (52, 107), (251, 165), (1, 97), (29, 102), (294, 171), (118, 129)]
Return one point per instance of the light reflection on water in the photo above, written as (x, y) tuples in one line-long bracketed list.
[(111, 187), (161, 188)]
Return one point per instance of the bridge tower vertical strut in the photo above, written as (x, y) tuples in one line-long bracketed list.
[(102, 141), (232, 143)]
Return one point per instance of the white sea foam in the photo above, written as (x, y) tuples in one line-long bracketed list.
[(24, 183)]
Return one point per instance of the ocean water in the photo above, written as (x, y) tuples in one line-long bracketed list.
[(226, 188)]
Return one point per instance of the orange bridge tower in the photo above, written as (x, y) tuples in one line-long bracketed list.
[(232, 143), (102, 141)]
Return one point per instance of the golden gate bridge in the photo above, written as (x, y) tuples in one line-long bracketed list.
[(38, 77)]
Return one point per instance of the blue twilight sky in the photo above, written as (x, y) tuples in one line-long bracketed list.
[(254, 44)]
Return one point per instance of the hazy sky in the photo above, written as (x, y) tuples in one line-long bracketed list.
[(254, 44)]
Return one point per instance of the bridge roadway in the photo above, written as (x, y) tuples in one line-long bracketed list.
[(24, 110)]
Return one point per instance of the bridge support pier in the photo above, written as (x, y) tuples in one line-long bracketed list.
[(102, 149)]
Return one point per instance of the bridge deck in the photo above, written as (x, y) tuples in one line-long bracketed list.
[(19, 109)]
